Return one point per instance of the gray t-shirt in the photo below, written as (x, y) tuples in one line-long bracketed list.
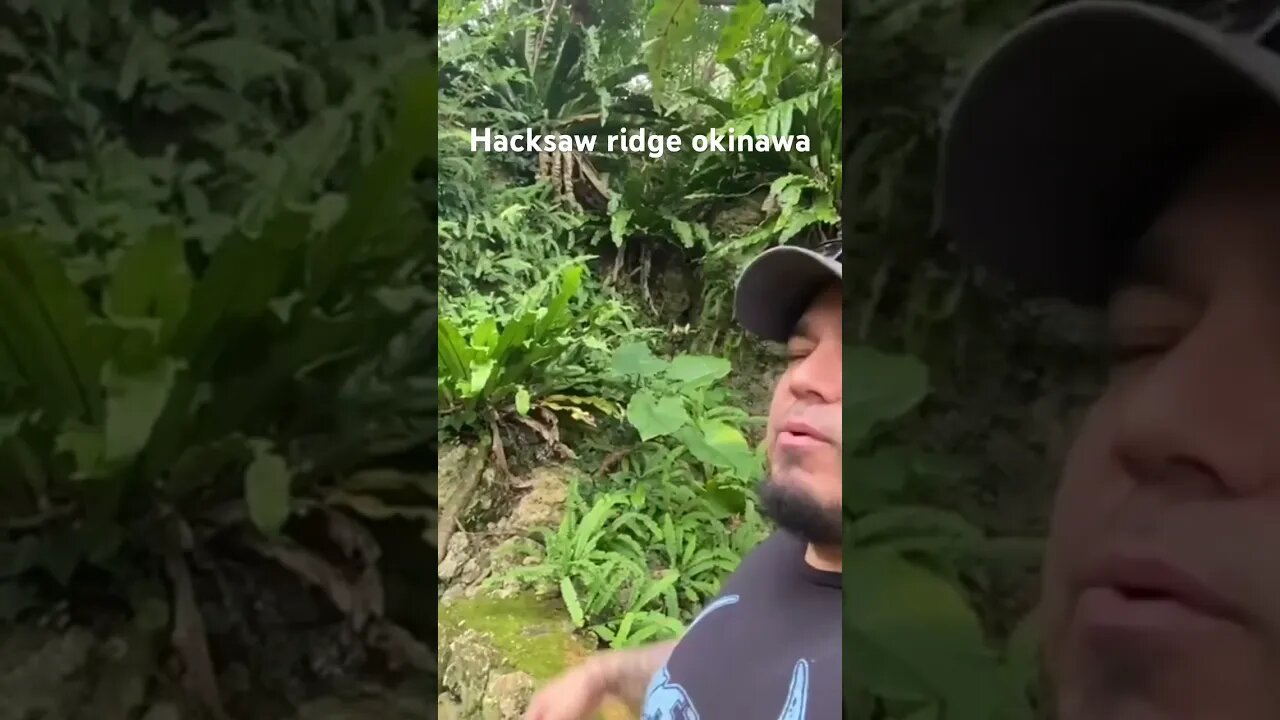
[(768, 648)]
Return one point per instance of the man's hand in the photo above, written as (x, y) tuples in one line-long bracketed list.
[(578, 694), (572, 696)]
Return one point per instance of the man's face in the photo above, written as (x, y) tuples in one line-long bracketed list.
[(1162, 584), (803, 491)]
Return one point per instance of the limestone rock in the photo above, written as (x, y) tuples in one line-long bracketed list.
[(507, 697), (457, 553), (494, 652), (459, 467), (543, 504)]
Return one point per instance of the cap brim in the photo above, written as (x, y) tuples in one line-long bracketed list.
[(777, 287), (1071, 136)]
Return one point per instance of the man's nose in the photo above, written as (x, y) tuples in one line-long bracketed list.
[(1206, 414), (819, 374)]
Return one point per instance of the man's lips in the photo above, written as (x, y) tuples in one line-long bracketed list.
[(795, 432), (1146, 592)]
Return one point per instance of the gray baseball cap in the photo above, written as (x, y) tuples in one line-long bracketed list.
[(777, 287), (1076, 130)]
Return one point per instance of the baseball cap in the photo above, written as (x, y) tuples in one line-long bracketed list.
[(776, 288), (1071, 136)]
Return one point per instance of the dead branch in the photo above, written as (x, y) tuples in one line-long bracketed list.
[(189, 637)]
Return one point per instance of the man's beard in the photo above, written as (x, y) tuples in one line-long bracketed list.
[(1112, 682), (801, 514)]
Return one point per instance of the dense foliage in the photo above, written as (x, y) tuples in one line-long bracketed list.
[(214, 245), (584, 295)]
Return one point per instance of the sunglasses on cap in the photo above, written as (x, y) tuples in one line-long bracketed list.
[(833, 249)]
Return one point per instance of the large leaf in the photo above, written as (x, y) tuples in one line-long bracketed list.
[(697, 445), (267, 492), (135, 400), (721, 445), (45, 332), (910, 635), (151, 281), (570, 282), (635, 359), (453, 351), (731, 444), (879, 387), (505, 357), (655, 417), (698, 369), (226, 293), (85, 444)]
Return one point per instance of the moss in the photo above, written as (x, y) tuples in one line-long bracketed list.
[(530, 635)]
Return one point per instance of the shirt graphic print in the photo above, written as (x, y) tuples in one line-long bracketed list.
[(767, 649)]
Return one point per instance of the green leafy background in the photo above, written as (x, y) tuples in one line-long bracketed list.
[(215, 428)]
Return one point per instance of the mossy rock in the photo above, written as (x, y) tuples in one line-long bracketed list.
[(495, 651), (528, 635)]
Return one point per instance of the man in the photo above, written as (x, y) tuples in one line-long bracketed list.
[(1128, 157), (768, 648)]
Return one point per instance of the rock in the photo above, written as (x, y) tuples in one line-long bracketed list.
[(543, 505), (461, 472), (42, 671), (494, 652), (452, 594), (455, 555), (741, 218), (447, 708), (673, 292), (472, 571), (466, 662), (507, 697), (460, 466)]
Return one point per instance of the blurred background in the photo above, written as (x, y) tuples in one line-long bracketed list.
[(216, 430), (958, 488)]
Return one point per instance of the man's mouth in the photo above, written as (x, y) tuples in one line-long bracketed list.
[(1151, 594), (798, 434)]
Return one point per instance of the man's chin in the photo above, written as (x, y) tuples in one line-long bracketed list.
[(796, 509), (1126, 678)]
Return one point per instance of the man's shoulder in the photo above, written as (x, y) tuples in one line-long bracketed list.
[(778, 552)]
